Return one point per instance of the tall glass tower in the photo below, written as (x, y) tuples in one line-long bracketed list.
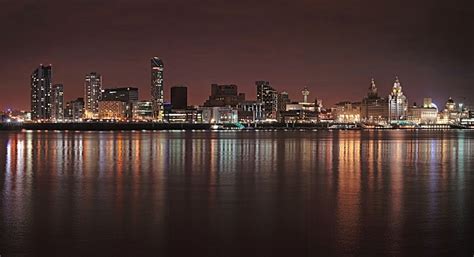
[(41, 93), (157, 85)]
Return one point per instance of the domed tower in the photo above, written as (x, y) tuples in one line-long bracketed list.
[(397, 87), (373, 89), (450, 105), (305, 94)]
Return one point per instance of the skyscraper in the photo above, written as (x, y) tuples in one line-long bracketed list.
[(269, 97), (157, 87), (57, 102), (41, 93), (92, 94), (179, 97), (397, 103)]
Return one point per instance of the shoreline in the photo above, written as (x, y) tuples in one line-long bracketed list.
[(107, 126)]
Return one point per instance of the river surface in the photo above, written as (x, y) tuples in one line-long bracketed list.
[(259, 193)]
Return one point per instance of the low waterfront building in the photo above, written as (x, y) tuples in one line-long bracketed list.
[(112, 110), (189, 115), (251, 111), (219, 115), (142, 111), (347, 112), (426, 114)]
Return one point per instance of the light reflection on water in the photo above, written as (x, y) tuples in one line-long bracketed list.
[(237, 193)]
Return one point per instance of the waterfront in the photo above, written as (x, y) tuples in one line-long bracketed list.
[(237, 193)]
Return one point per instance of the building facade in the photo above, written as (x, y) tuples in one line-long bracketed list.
[(219, 115), (269, 97), (157, 87), (347, 112), (92, 95), (57, 102), (374, 109), (397, 103), (224, 95), (74, 110), (41, 82), (179, 97), (112, 110), (142, 111), (251, 111)]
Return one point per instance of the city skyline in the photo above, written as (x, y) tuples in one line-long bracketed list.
[(331, 49), (252, 94)]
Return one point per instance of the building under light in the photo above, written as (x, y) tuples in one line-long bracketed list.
[(251, 111), (92, 95), (397, 103), (112, 110), (57, 102), (142, 111), (74, 110), (374, 109), (346, 112), (41, 93), (426, 114), (269, 97), (157, 87), (219, 115), (128, 95)]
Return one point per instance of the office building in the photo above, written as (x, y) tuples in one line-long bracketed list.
[(142, 111), (157, 87), (41, 93), (224, 95), (57, 102), (112, 110), (269, 97), (179, 97), (251, 111), (124, 94), (92, 95)]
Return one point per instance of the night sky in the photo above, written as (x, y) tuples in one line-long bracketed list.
[(333, 47)]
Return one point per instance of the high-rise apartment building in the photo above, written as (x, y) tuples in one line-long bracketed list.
[(41, 93), (92, 95), (57, 102)]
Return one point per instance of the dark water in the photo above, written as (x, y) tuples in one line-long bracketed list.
[(348, 193)]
